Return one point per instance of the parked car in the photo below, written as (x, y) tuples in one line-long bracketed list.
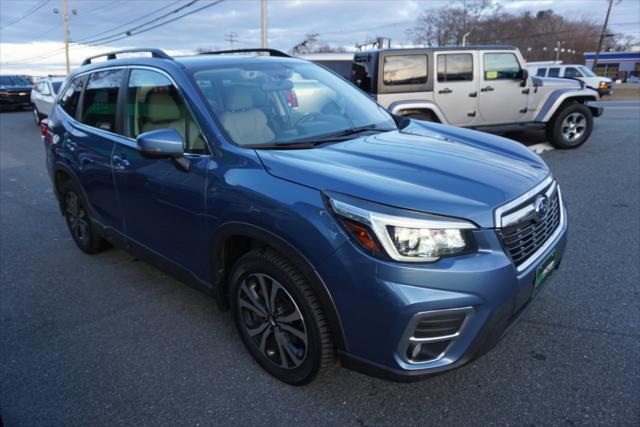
[(404, 248), (14, 92), (573, 71), (43, 96), (483, 87), (633, 79)]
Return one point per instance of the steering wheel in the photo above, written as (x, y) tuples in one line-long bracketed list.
[(307, 117)]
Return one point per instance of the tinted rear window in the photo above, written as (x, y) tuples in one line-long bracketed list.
[(56, 86), (554, 72), (541, 72), (405, 70), (101, 98)]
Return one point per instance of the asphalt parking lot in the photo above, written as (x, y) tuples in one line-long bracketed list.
[(110, 340)]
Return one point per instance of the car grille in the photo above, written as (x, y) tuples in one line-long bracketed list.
[(523, 231)]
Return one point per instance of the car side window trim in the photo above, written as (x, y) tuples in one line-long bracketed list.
[(188, 108), (121, 111)]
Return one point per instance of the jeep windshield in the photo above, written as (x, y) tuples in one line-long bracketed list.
[(269, 104)]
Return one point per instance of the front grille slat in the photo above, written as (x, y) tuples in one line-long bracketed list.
[(523, 239)]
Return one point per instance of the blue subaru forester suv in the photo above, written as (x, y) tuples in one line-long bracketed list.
[(328, 226)]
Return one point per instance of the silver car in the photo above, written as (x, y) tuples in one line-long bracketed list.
[(43, 96)]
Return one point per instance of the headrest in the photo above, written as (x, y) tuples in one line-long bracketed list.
[(238, 98), (162, 108)]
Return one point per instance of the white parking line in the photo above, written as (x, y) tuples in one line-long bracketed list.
[(541, 147)]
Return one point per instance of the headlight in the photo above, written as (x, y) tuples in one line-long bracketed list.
[(408, 236)]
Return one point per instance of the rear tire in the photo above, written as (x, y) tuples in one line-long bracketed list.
[(37, 117), (279, 317), (570, 127), (83, 231)]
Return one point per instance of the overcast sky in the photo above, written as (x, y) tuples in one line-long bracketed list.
[(338, 22)]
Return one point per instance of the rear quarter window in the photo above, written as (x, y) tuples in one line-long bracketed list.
[(405, 70)]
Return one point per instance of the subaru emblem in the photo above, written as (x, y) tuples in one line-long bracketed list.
[(541, 206)]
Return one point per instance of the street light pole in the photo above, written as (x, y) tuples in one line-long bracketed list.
[(464, 38), (263, 18)]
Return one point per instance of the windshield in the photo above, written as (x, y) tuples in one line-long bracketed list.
[(586, 71), (264, 103), (14, 81)]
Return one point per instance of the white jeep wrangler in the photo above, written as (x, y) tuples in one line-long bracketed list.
[(483, 87)]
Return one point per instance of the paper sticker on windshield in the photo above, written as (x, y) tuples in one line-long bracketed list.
[(491, 75)]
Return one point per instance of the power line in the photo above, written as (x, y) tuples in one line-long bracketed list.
[(28, 12), (120, 36)]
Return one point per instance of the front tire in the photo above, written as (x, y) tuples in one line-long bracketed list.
[(279, 317), (570, 127), (76, 213)]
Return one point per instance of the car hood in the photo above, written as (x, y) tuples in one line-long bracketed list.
[(425, 167), (16, 88)]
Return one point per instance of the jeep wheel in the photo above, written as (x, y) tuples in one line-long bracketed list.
[(82, 229), (570, 127), (279, 318)]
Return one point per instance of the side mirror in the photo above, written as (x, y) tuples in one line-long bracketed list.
[(524, 75), (161, 143)]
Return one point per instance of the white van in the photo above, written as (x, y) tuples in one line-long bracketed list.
[(571, 71)]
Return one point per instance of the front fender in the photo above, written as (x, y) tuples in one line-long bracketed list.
[(398, 106), (558, 97)]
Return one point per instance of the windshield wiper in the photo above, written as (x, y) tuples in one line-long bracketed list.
[(341, 135)]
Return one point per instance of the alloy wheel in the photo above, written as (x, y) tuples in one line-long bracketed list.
[(272, 320), (573, 126), (78, 218)]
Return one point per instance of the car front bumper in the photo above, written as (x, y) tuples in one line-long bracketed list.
[(378, 303)]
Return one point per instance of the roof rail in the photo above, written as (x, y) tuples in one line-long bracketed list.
[(155, 53), (271, 52)]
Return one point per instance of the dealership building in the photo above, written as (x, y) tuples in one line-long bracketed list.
[(615, 64)]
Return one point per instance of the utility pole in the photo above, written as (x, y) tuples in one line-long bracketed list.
[(65, 18), (263, 21), (231, 38), (602, 34), (464, 38)]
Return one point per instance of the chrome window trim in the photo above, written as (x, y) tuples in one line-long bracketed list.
[(408, 338), (125, 137)]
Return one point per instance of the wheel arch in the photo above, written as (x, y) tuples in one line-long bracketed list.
[(402, 108), (233, 239), (61, 174), (559, 99)]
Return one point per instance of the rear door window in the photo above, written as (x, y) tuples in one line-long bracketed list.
[(554, 72), (405, 70), (101, 99), (71, 96), (501, 66), (455, 67)]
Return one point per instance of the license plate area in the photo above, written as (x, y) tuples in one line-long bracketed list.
[(544, 270)]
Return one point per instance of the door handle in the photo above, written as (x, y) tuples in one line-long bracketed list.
[(445, 91), (120, 163), (473, 94), (486, 89)]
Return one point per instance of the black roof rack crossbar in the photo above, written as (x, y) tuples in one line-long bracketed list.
[(271, 52), (155, 53)]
